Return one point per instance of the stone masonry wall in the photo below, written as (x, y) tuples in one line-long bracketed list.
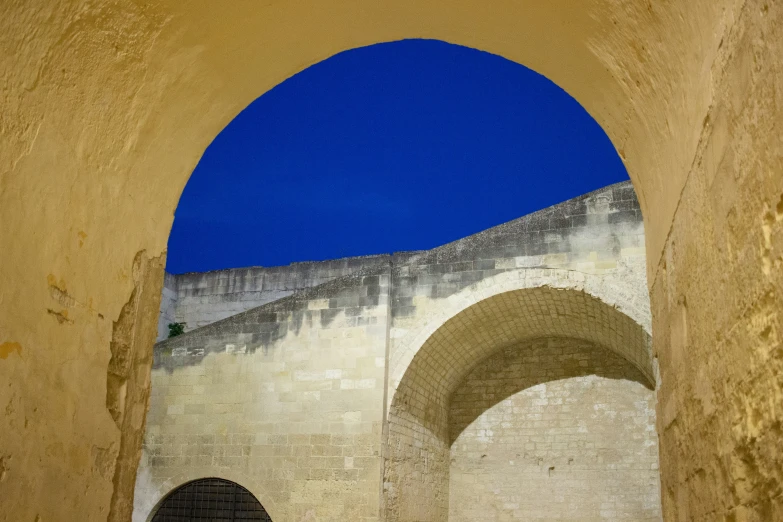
[(168, 306), (285, 399), (198, 299), (599, 235), (545, 238), (101, 99), (289, 398), (554, 429)]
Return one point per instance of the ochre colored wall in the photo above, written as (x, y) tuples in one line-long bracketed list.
[(554, 429), (109, 106), (717, 295)]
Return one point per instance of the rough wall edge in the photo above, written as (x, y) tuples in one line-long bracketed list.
[(657, 271), (129, 374), (469, 246)]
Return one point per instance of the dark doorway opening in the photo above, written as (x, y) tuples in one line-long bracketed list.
[(211, 500)]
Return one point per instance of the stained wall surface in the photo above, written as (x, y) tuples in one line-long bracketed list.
[(109, 106), (419, 440), (200, 298), (554, 429), (453, 306), (288, 398)]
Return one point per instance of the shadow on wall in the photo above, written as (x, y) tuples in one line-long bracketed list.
[(520, 367), (265, 326), (553, 429)]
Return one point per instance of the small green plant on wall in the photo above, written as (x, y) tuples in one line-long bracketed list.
[(176, 329)]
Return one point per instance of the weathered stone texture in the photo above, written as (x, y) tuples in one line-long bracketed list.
[(417, 466), (718, 293), (598, 233), (290, 397), (199, 299), (575, 269), (286, 399)]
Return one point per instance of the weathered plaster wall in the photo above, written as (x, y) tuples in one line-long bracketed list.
[(102, 126), (198, 299), (717, 294), (553, 429)]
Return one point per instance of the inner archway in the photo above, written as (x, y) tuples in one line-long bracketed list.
[(422, 426), (553, 429)]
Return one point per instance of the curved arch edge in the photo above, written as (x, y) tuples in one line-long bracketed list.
[(606, 288), (170, 485)]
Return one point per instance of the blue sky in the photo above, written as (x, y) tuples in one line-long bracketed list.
[(399, 146)]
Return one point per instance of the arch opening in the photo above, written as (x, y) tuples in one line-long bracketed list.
[(198, 300), (209, 500), (488, 362), (361, 129)]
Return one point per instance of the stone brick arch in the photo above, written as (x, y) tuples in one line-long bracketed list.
[(513, 307), (145, 513), (611, 290)]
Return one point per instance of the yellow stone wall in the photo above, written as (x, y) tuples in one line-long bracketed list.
[(108, 107)]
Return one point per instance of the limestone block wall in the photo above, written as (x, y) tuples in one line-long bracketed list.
[(591, 244), (417, 470), (553, 429), (286, 399), (334, 403), (598, 233), (546, 238), (199, 299)]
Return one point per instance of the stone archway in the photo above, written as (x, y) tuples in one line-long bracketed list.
[(618, 291), (109, 107), (154, 496), (416, 474), (208, 499)]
